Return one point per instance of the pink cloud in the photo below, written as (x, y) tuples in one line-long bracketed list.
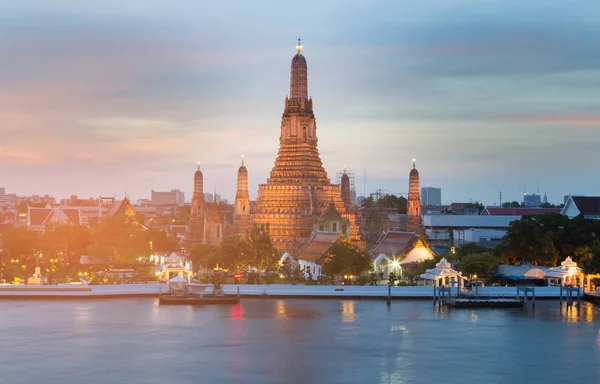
[(12, 156), (582, 122)]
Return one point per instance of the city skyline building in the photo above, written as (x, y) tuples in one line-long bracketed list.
[(173, 197), (431, 196)]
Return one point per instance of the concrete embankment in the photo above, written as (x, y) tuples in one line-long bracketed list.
[(276, 291), (369, 292)]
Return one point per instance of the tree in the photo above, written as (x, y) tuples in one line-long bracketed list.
[(467, 249), (546, 239), (481, 264), (345, 258), (203, 256), (20, 243), (162, 242), (233, 253), (261, 252), (119, 240)]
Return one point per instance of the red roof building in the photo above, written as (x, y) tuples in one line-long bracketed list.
[(588, 206), (38, 218)]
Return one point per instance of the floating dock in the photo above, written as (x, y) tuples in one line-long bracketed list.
[(194, 300), (471, 302)]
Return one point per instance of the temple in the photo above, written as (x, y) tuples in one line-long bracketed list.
[(298, 190), (241, 215), (414, 222)]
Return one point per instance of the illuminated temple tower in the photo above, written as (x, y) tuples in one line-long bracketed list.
[(298, 189), (241, 216), (195, 228), (413, 206)]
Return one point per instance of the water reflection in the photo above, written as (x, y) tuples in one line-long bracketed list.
[(82, 314), (280, 310), (237, 312), (348, 315), (574, 313)]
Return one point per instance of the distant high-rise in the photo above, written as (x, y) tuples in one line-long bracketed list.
[(6, 199), (431, 196), (174, 197), (533, 200)]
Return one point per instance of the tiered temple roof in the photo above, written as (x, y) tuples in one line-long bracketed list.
[(298, 189)]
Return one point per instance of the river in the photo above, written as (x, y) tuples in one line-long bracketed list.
[(295, 341)]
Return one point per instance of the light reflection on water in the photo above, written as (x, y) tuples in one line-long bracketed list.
[(295, 341)]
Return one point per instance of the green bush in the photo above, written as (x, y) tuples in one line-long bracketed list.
[(269, 279), (362, 280), (253, 278)]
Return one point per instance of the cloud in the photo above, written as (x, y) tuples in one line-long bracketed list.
[(130, 95), (19, 157)]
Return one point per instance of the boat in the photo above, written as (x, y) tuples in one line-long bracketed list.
[(181, 292)]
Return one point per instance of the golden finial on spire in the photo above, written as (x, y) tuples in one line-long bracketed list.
[(299, 46), (198, 165), (242, 159), (414, 163)]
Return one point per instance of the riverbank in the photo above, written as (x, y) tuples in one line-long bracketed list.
[(66, 291)]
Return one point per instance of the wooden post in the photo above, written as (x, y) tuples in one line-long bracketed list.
[(389, 298), (533, 296), (560, 301), (238, 294)]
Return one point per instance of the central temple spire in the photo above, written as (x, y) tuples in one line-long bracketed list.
[(298, 189), (298, 75)]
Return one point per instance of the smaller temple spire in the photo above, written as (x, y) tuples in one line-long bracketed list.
[(299, 46), (215, 195)]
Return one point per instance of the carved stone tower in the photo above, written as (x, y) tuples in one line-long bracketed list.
[(242, 198), (298, 189), (413, 206), (195, 228), (345, 190)]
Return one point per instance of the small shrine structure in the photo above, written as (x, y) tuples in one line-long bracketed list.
[(568, 274), (443, 275), (174, 265)]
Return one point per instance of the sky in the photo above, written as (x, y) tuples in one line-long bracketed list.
[(122, 97)]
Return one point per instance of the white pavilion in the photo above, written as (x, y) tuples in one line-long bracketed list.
[(443, 275), (567, 274), (175, 265)]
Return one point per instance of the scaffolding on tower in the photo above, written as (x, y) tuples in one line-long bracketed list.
[(375, 215), (350, 174)]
